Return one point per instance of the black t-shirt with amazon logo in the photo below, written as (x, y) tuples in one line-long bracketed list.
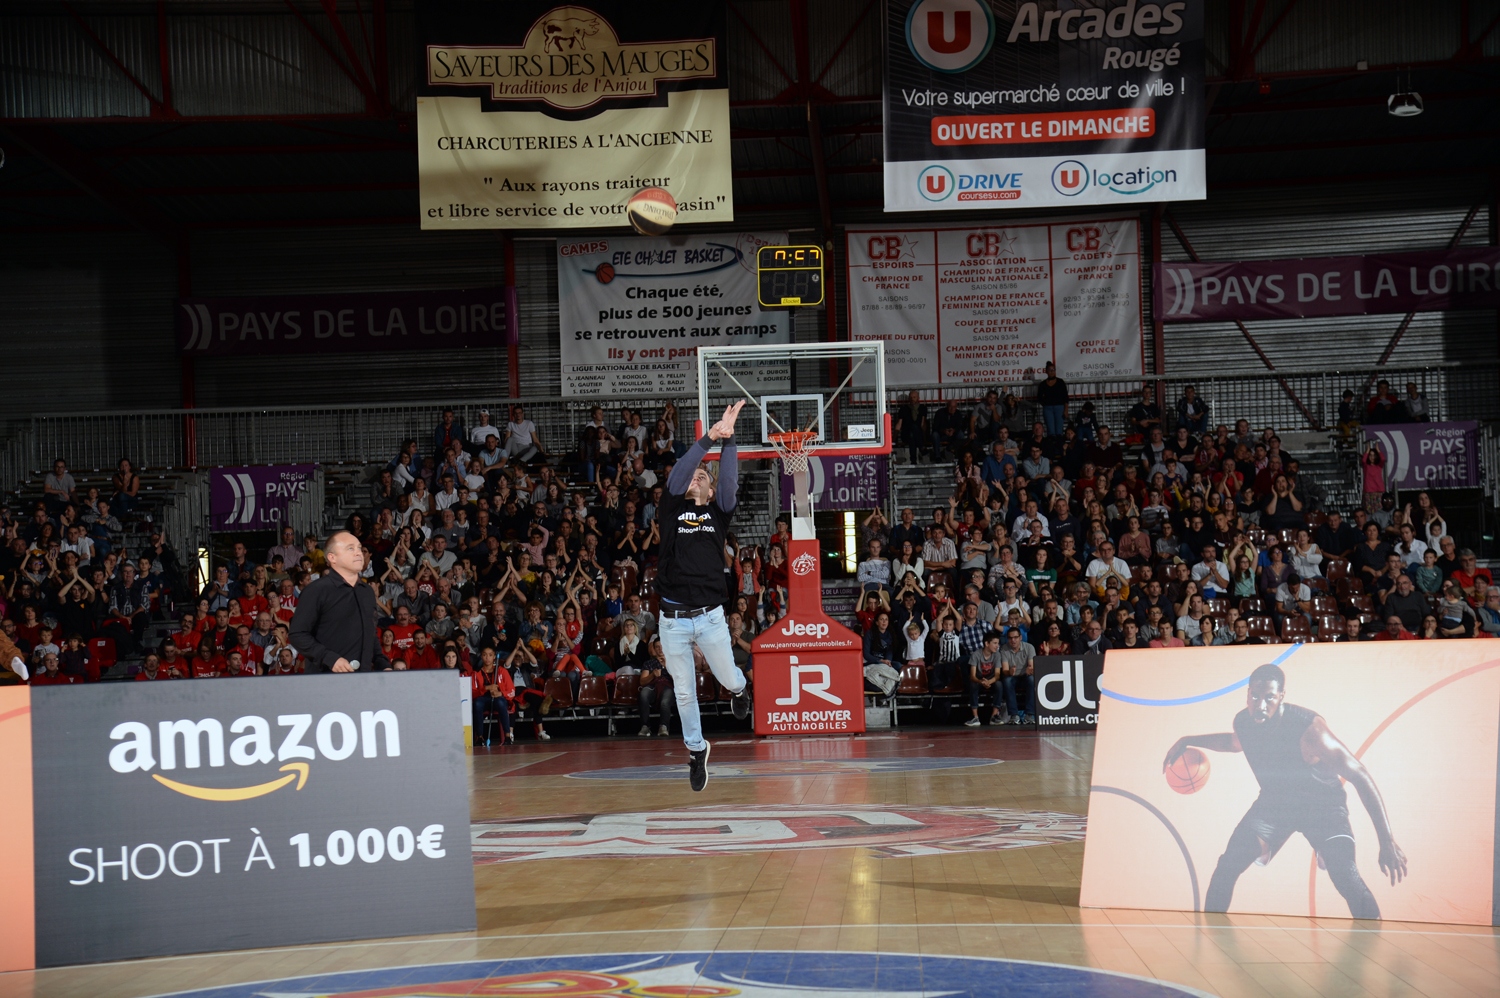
[(691, 566)]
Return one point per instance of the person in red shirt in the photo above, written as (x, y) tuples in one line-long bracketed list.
[(207, 664), (277, 610), (151, 670), (1475, 581), (493, 690), (173, 663), (49, 676), (1394, 631), (252, 601), (188, 631), (422, 655), (403, 631), (236, 615), (237, 665)]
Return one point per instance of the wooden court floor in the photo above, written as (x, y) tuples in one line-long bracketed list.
[(929, 842)]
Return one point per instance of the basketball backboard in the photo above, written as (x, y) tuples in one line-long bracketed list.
[(836, 390)]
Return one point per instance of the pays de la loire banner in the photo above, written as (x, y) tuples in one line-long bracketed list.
[(551, 117), (844, 481), (255, 497), (348, 322), (632, 312), (1427, 281), (1428, 455), (1049, 103), (993, 304)]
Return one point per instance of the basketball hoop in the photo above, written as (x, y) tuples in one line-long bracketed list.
[(792, 448)]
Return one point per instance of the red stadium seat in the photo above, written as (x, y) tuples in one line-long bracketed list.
[(1261, 626), (1330, 625), (708, 690), (1252, 605), (627, 691), (1296, 628), (101, 656), (1335, 568), (1325, 604), (913, 681), (592, 692), (561, 692)]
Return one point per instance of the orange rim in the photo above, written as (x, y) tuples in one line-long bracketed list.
[(794, 441)]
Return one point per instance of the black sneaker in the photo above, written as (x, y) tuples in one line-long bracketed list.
[(698, 768), (740, 703)]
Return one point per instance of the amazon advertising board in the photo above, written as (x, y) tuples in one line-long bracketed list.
[(632, 313), (1051, 103), (1334, 780), (989, 304), (180, 817), (551, 117)]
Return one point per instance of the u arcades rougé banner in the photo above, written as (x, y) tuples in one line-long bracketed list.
[(532, 115), (1055, 103)]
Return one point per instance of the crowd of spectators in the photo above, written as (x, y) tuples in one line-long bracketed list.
[(1061, 537), (528, 563)]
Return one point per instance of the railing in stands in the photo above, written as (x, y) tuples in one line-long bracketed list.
[(1290, 400)]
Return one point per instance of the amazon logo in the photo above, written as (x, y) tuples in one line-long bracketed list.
[(191, 744)]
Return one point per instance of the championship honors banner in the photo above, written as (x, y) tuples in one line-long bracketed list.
[(1341, 780), (532, 115), (633, 311), (1015, 105), (148, 819), (990, 304)]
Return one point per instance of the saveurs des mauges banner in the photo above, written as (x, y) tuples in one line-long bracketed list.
[(551, 117), (1015, 105)]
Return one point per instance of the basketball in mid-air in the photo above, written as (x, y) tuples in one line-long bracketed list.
[(651, 211), (1189, 772)]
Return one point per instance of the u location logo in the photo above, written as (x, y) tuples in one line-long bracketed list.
[(1070, 178), (936, 183), (950, 36)]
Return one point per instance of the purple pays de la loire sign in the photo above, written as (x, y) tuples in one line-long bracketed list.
[(1428, 455), (356, 322), (255, 497), (1335, 285), (857, 481)]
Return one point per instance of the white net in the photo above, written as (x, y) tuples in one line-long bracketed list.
[(791, 448)]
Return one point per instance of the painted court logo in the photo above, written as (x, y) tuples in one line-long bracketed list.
[(888, 831), (721, 974)]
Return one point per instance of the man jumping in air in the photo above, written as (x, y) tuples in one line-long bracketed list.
[(1299, 764), (694, 516)]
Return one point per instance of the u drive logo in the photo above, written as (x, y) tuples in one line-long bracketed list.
[(244, 498), (1068, 680), (819, 688)]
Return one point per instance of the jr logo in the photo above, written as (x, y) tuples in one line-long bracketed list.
[(818, 689)]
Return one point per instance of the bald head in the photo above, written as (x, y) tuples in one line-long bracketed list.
[(345, 555)]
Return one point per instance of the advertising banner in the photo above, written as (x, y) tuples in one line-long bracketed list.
[(183, 817), (989, 304), (1307, 780), (1049, 103), (1067, 690), (632, 311), (255, 497), (551, 117), (845, 482), (809, 668), (352, 322), (1429, 455), (1430, 281)]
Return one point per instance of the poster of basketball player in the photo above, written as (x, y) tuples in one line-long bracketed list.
[(1299, 780)]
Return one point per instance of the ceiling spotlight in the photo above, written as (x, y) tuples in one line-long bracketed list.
[(1405, 105)]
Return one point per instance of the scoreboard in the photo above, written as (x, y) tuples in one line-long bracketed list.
[(789, 275)]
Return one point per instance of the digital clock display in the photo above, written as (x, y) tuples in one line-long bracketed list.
[(789, 276)]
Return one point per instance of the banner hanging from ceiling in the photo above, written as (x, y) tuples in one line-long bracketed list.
[(1055, 103), (993, 304), (632, 312), (551, 117)]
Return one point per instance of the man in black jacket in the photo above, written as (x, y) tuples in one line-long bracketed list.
[(334, 625), (693, 517)]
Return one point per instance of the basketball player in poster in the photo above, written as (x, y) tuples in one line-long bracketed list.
[(693, 517), (1301, 767)]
